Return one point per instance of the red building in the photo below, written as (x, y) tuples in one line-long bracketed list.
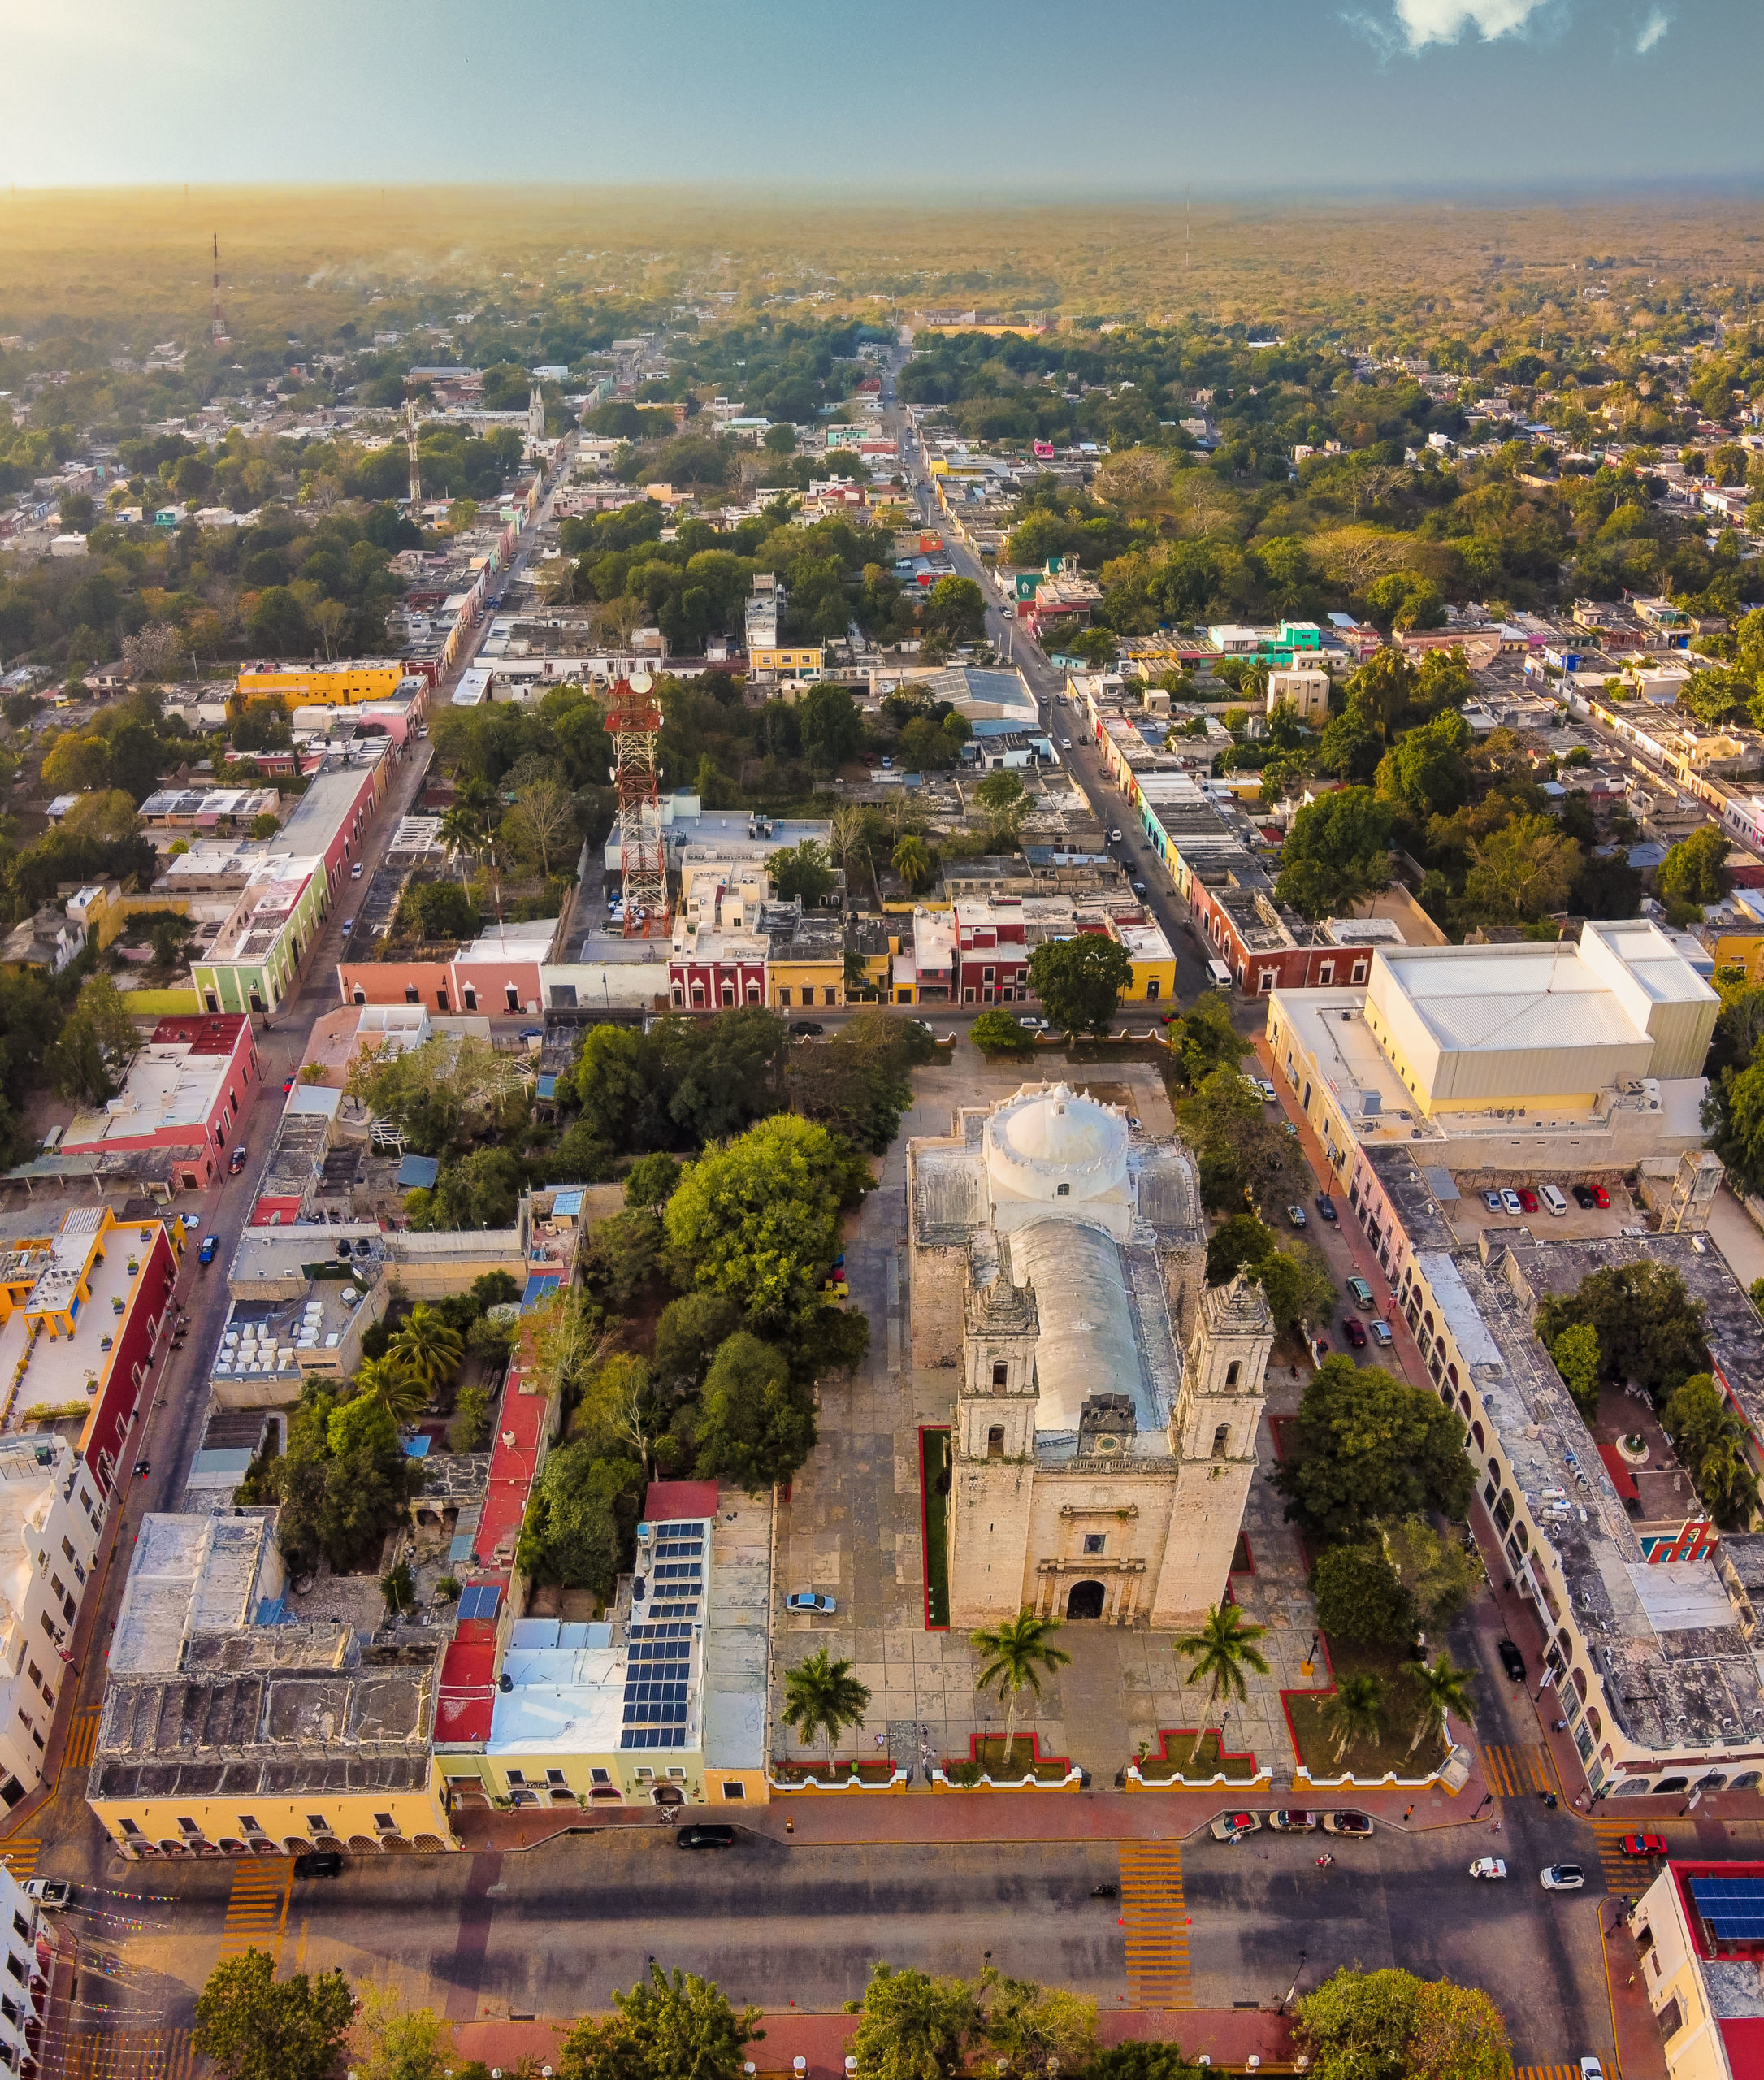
[(184, 1090), (718, 970), (991, 953)]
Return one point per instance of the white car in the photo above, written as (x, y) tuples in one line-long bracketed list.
[(1488, 1867), (355, 872), (1563, 1877), (1065, 744), (1591, 2069), (811, 1600), (1380, 1333), (1509, 1200)]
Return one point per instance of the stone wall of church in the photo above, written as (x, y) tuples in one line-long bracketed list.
[(1185, 1280), (939, 1282), (1206, 1516), (989, 1532)]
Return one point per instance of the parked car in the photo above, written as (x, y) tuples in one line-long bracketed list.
[(1488, 1867), (1510, 1201), (1380, 1332), (349, 926), (1512, 1661), (1326, 1207), (206, 1254), (236, 1161), (1233, 1827), (1528, 1199), (355, 872), (1492, 1201), (1266, 1088), (1347, 1823), (1034, 1025), (53, 1895), (1114, 837), (811, 1600), (1583, 1198), (705, 1835), (1139, 888), (193, 1221), (1644, 1845), (287, 1085), (1293, 1820), (1360, 1291), (1296, 1215), (1351, 1329), (805, 1029), (1601, 1197), (1563, 1877), (1065, 744), (319, 1863)]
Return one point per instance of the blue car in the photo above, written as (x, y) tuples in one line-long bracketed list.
[(206, 1254)]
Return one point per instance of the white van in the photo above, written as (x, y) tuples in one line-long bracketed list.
[(1552, 1198), (1219, 975)]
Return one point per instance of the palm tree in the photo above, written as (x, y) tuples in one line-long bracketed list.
[(1443, 1688), (911, 859), (427, 1348), (1356, 1711), (1016, 1653), (824, 1697), (1222, 1649), (395, 1383), (462, 832)]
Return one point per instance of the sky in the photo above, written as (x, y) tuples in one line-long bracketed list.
[(1135, 96)]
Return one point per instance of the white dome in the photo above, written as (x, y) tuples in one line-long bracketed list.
[(1057, 1148)]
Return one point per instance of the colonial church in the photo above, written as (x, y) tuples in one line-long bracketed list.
[(1104, 1400)]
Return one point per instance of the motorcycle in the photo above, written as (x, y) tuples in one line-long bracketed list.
[(1102, 1891)]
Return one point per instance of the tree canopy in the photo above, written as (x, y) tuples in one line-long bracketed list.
[(1367, 1446), (1080, 981)]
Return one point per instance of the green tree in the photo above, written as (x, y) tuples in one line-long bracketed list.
[(823, 1697), (390, 2041), (832, 729), (251, 2026), (802, 870), (1204, 1039), (1014, 1654), (652, 1181), (1442, 1688), (680, 2027), (911, 859), (1368, 1446), (392, 1382), (581, 1524), (688, 1334), (1360, 1597), (1240, 1240), (913, 2027), (759, 1218), (1245, 1155), (955, 613), (1036, 2032), (1577, 1353), (1427, 772), (1355, 1712), (1521, 871), (1358, 2026), (1459, 2035), (76, 763), (1080, 981), (1711, 1441), (1436, 1571), (1695, 871), (427, 1348), (998, 1032), (1298, 1286), (755, 1426), (1221, 1651), (1000, 792), (97, 1039), (1649, 1328), (1143, 2058), (1336, 851)]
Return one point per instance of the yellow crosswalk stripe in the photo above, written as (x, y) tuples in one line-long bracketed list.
[(82, 1738), (256, 1908), (1546, 2072), (1512, 1772), (1625, 1873), (1156, 1912), (20, 1857), (155, 2054)]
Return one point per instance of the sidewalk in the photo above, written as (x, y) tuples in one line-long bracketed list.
[(814, 1819), (1228, 2037), (1641, 2053)]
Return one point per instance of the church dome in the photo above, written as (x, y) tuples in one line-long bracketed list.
[(1054, 1144)]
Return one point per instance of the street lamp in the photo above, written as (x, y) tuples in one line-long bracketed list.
[(1297, 1973)]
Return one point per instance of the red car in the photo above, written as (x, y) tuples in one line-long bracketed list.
[(1527, 1198), (1355, 1335), (1601, 1197), (1644, 1845)]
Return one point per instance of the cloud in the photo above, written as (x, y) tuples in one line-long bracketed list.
[(1655, 27), (1423, 22)]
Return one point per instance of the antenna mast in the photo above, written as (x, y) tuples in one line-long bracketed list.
[(410, 443), (634, 721), (220, 338)]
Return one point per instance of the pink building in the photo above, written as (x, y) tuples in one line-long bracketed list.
[(718, 970), (185, 1090)]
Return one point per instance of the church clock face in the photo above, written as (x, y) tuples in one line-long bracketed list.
[(1107, 1444)]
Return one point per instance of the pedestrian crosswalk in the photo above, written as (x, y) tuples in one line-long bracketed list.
[(1622, 1873), (82, 1740), (1512, 1772), (1547, 2072), (20, 1857), (256, 1908), (149, 2054), (1156, 1916)]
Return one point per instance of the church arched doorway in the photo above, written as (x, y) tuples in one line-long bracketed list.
[(1085, 1599)]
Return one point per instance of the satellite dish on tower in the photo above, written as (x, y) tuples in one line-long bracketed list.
[(640, 682)]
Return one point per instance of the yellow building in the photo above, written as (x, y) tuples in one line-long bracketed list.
[(221, 1736), (799, 667), (1153, 959), (344, 684), (1699, 1968)]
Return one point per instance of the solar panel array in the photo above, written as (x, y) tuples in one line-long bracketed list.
[(479, 1600), (658, 1659), (1732, 1908)]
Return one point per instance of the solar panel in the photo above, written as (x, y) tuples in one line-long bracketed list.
[(479, 1600), (1733, 1907), (658, 1671)]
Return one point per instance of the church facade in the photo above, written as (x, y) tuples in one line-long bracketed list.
[(1103, 1401)]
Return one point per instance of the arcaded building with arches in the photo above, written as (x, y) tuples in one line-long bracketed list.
[(1103, 1401)]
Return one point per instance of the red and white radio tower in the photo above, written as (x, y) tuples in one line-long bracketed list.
[(219, 334), (633, 722)]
